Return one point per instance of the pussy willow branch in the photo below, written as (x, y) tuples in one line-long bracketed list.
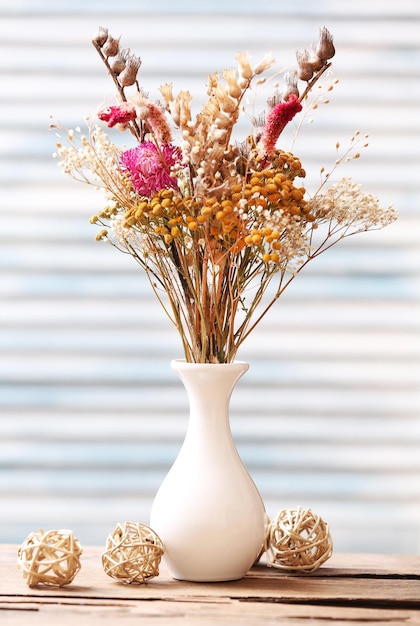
[(135, 129)]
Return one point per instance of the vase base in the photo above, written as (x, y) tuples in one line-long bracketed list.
[(203, 574), (207, 580)]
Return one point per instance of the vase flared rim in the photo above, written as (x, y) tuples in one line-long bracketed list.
[(184, 364)]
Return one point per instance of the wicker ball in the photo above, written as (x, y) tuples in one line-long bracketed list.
[(133, 553), (299, 540), (50, 558)]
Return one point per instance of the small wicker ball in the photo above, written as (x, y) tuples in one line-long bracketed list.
[(298, 540), (133, 553), (50, 558)]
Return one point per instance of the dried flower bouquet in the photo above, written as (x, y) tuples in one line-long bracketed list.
[(211, 220)]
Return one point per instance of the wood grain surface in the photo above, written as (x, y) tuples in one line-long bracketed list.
[(348, 589)]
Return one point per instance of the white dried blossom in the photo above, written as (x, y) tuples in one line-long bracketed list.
[(266, 62), (348, 205), (93, 160), (123, 236)]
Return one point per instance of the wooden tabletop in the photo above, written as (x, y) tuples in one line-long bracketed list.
[(348, 589)]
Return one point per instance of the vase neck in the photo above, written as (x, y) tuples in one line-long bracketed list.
[(209, 388)]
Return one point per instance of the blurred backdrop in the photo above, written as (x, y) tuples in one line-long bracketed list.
[(91, 415)]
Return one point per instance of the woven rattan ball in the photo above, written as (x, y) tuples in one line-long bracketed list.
[(298, 540), (133, 553), (50, 558)]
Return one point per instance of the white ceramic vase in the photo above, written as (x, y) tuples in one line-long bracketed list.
[(208, 511)]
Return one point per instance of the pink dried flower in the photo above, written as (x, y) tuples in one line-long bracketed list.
[(278, 118), (120, 114), (154, 118), (150, 167)]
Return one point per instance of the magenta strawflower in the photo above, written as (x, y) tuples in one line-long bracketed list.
[(150, 167)]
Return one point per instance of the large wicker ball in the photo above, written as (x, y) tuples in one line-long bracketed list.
[(50, 558), (299, 540), (133, 553)]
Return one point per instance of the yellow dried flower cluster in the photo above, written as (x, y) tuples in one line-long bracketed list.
[(239, 219), (210, 219)]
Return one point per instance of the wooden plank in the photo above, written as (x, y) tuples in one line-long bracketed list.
[(203, 613), (365, 579), (349, 588)]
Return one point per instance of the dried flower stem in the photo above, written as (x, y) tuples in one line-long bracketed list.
[(314, 80)]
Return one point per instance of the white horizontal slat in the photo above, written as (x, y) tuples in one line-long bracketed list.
[(386, 462), (270, 7), (287, 401), (348, 344), (102, 369), (50, 425)]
